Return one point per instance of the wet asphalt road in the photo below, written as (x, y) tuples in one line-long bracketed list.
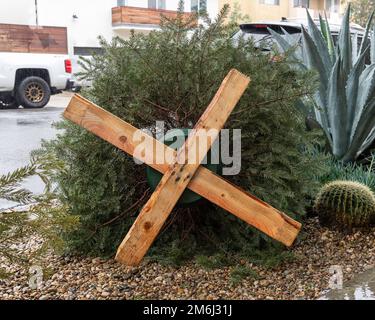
[(22, 131)]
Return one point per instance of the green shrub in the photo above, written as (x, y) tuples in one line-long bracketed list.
[(346, 204), (270, 258), (241, 272), (172, 75), (213, 262), (43, 219)]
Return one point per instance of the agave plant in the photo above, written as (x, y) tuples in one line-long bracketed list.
[(344, 104)]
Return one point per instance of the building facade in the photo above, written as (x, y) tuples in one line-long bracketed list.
[(260, 10), (85, 20)]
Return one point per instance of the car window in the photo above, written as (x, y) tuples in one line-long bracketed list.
[(261, 35), (263, 28)]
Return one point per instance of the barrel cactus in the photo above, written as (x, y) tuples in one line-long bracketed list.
[(346, 204)]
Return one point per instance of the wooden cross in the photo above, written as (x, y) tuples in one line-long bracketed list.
[(180, 174)]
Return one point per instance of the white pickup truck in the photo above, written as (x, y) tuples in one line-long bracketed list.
[(29, 79)]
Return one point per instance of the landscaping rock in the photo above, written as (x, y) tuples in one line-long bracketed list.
[(306, 277)]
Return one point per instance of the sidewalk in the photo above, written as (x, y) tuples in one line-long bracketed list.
[(361, 287), (60, 100)]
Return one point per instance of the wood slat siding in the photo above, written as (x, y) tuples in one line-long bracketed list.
[(30, 39), (136, 15)]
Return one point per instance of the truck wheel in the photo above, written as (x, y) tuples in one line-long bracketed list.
[(8, 102), (33, 92)]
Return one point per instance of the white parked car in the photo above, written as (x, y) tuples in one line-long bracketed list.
[(29, 79), (263, 39)]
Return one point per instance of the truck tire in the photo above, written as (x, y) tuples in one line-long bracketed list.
[(8, 102), (33, 92)]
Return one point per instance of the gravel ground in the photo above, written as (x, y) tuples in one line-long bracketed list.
[(306, 277)]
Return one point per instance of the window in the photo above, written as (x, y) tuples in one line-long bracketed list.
[(161, 4), (301, 3), (332, 6), (121, 3), (152, 4), (156, 4), (198, 5), (270, 2), (87, 51)]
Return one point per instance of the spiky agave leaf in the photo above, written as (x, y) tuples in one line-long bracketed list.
[(352, 86), (361, 132), (355, 48), (345, 42), (344, 104), (312, 57), (364, 111), (365, 40), (293, 39), (313, 60), (283, 43), (295, 42), (369, 140), (319, 41), (326, 31), (288, 43), (366, 88), (337, 109)]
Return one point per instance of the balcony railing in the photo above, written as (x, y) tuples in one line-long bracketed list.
[(141, 16)]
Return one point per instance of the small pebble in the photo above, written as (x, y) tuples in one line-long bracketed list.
[(306, 276)]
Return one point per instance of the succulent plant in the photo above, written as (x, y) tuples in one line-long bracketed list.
[(344, 104), (346, 204)]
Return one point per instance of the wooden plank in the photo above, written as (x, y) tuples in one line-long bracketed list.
[(214, 188), (30, 39), (175, 180), (128, 14)]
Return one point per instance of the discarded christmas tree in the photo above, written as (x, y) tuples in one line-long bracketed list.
[(172, 75)]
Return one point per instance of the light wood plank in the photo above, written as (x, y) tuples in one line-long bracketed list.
[(214, 188), (27, 39), (175, 180)]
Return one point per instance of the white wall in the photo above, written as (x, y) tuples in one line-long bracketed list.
[(213, 8), (94, 16), (212, 5), (94, 19), (17, 11)]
